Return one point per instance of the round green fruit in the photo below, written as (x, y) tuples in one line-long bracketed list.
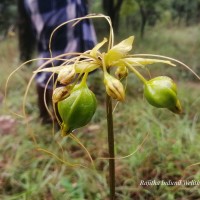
[(161, 92), (78, 109)]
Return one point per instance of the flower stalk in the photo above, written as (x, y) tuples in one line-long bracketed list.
[(111, 146)]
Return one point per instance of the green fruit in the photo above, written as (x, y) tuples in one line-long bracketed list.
[(161, 92), (77, 109)]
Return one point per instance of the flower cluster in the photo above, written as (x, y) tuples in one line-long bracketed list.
[(77, 103)]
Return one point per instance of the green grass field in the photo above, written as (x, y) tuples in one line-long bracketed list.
[(164, 147)]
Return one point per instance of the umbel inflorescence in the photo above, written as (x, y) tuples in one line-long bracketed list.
[(77, 103)]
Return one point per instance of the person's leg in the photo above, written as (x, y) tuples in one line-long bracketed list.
[(45, 117), (44, 114)]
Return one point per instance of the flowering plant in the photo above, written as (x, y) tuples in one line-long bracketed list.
[(76, 103)]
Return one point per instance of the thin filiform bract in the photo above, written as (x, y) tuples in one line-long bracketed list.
[(24, 115), (75, 57)]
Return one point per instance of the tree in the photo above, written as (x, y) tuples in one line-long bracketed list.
[(143, 12), (112, 9), (26, 37), (148, 12), (7, 15), (186, 11)]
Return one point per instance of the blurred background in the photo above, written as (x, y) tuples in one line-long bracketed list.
[(170, 143)]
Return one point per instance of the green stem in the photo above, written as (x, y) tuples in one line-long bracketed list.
[(84, 79), (136, 73), (111, 146)]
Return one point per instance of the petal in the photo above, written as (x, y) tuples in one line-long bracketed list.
[(85, 67), (141, 62), (124, 46), (97, 47), (118, 51), (51, 69)]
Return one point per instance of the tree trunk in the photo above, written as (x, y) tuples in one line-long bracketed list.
[(143, 20), (113, 11), (26, 37)]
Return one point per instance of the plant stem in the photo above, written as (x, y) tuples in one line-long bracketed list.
[(136, 73), (111, 146)]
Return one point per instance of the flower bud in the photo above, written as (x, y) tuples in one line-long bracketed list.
[(60, 93), (114, 87), (66, 75), (161, 92), (121, 72), (77, 109)]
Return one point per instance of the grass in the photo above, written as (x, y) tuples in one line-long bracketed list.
[(170, 143)]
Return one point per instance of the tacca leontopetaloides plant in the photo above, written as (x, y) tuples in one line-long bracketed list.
[(76, 103)]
